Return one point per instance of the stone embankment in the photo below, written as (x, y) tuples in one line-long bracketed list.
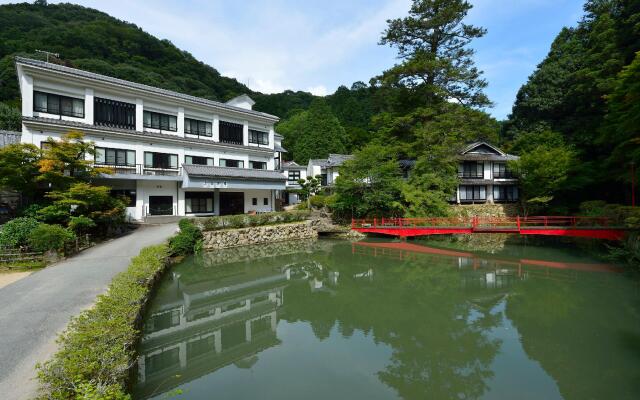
[(228, 238), (485, 210)]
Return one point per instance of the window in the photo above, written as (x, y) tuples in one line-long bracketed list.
[(120, 157), (323, 179), (473, 192), (115, 114), (128, 193), (265, 201), (505, 193), (197, 160), (293, 176), (163, 122), (231, 132), (196, 127), (59, 105), (258, 137), (254, 201), (257, 165), (471, 169), (500, 170), (160, 160), (198, 202), (231, 163)]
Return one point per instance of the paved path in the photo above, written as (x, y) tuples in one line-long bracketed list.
[(34, 310)]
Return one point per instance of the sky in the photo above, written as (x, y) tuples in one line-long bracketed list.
[(318, 45)]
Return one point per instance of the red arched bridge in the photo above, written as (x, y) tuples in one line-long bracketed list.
[(589, 227)]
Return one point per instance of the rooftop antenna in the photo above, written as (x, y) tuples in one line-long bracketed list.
[(48, 53)]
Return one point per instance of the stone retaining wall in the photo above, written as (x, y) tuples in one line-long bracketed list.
[(485, 210), (257, 235)]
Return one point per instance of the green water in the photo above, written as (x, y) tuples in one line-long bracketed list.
[(387, 320)]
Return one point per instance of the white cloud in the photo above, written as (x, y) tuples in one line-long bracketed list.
[(319, 90)]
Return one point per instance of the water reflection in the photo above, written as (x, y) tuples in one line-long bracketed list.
[(412, 322)]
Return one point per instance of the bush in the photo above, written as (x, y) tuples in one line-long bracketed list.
[(185, 241), (31, 210), (243, 221), (50, 237), (81, 224), (16, 232), (97, 348), (318, 201)]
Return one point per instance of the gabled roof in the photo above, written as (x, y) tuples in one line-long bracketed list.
[(136, 86), (292, 165), (334, 160), (235, 173), (482, 148)]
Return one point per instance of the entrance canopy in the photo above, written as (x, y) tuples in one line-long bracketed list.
[(209, 177)]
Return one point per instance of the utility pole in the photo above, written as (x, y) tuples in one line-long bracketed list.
[(48, 53)]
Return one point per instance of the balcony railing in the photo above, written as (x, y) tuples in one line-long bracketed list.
[(503, 175), (471, 175), (140, 169)]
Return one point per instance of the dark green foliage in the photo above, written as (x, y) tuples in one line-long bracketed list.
[(583, 91), (16, 232), (10, 118), (97, 348), (81, 224), (19, 167), (50, 238), (243, 221), (185, 241), (313, 133)]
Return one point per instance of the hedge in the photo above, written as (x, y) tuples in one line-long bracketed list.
[(186, 240), (97, 348), (244, 221)]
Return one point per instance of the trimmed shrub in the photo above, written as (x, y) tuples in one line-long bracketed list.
[(16, 232), (81, 224), (50, 237), (185, 241), (243, 221), (97, 348), (318, 201)]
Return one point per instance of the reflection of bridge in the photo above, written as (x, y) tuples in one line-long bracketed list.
[(407, 251), (590, 227)]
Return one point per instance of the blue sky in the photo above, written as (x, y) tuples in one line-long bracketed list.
[(318, 45)]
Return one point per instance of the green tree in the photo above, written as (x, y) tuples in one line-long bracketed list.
[(10, 118), (436, 62), (308, 187), (369, 184), (313, 133), (19, 168)]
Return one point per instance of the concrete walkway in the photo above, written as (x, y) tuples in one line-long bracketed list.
[(35, 309)]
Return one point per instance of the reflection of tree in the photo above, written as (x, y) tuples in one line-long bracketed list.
[(570, 329), (439, 350)]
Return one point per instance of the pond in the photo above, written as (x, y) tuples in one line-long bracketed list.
[(380, 319)]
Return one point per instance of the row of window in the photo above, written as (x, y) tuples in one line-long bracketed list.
[(127, 158), (474, 169), (202, 202), (479, 193), (119, 114)]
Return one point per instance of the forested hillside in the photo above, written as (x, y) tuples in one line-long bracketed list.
[(582, 104)]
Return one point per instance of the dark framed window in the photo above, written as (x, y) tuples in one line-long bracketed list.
[(473, 192), (258, 137), (323, 179), (160, 160), (505, 193), (265, 201), (197, 160), (120, 157), (471, 169), (254, 201), (500, 170), (198, 202), (57, 104), (130, 194), (231, 163), (293, 176), (231, 132), (197, 127), (160, 121), (115, 114), (257, 165)]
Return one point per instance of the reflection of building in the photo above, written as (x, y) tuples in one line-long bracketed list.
[(204, 327)]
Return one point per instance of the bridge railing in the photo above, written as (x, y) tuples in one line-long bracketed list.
[(483, 222)]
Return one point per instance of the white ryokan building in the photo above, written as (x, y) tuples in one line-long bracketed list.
[(170, 153)]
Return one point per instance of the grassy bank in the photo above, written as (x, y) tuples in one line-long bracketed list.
[(97, 348)]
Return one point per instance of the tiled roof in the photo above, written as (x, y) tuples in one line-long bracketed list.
[(82, 125), (235, 173), (9, 137), (473, 145), (334, 160), (487, 157), (138, 86), (292, 165), (279, 148)]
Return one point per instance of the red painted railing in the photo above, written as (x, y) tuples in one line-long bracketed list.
[(484, 222)]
